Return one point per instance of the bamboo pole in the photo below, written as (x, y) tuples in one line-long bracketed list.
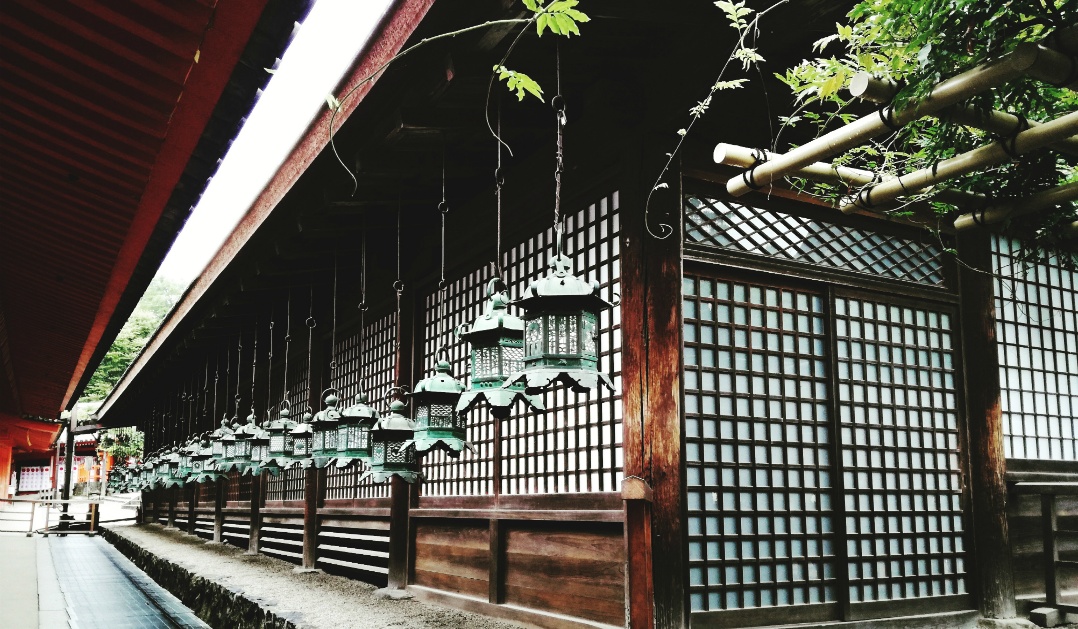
[(1026, 59), (998, 212), (744, 157), (988, 155), (865, 87)]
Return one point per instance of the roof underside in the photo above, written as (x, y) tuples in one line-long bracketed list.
[(105, 113), (635, 72)]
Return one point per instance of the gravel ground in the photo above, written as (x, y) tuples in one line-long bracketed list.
[(315, 600)]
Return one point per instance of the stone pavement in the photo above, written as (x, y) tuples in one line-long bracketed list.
[(80, 582)]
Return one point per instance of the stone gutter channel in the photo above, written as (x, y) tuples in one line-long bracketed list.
[(229, 589)]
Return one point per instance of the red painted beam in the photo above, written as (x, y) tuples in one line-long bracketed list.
[(221, 49)]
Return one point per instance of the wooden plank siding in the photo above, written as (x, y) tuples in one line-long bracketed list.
[(572, 569), (453, 555)]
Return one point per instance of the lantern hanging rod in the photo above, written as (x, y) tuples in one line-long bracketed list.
[(1027, 59), (999, 211), (865, 87), (744, 157), (965, 163)]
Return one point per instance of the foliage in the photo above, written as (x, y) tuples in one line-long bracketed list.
[(917, 44), (151, 310), (121, 443)]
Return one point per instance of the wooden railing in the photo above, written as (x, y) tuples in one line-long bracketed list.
[(1049, 493)]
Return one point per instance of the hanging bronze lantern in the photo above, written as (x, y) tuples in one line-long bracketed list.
[(260, 454), (204, 465), (302, 441), (239, 445), (438, 424), (392, 453), (561, 331), (354, 432), (324, 425), (188, 450), (280, 436), (173, 459), (497, 351), (218, 436)]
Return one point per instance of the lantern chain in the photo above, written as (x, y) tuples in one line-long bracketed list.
[(254, 372), (362, 310), (558, 102), (205, 394), (499, 181), (333, 331), (311, 324), (398, 287), (269, 368), (443, 207), (287, 344), (239, 357)]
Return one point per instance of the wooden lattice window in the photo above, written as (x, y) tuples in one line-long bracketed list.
[(576, 445), (821, 450), (1037, 331), (783, 236), (286, 486)]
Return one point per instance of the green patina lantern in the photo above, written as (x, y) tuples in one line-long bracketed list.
[(354, 432), (186, 453), (303, 441), (173, 458), (146, 474), (239, 445), (260, 453), (203, 464), (392, 453), (217, 438), (497, 351), (438, 424), (561, 331), (324, 426), (280, 438)]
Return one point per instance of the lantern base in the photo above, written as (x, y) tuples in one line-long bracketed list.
[(323, 461), (208, 477), (499, 400), (540, 379), (381, 476), (452, 446), (344, 461)]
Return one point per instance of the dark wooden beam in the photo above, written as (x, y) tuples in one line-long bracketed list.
[(993, 576)]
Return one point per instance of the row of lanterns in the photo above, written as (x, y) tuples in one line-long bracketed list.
[(512, 361)]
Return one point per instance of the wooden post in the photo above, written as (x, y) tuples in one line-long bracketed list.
[(258, 500), (639, 587), (496, 575), (993, 572), (192, 504), (312, 482), (399, 503), (173, 498), (1051, 549), (652, 389), (219, 511)]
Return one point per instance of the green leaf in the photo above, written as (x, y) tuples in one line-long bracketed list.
[(334, 104), (530, 4), (729, 85), (541, 23), (519, 83)]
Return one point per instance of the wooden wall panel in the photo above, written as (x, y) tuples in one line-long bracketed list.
[(1027, 543), (453, 555), (568, 568)]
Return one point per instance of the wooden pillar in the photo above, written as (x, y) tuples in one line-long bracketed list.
[(258, 500), (313, 482), (652, 389), (639, 587), (173, 499), (399, 503), (1051, 549), (220, 487), (192, 504), (496, 575), (991, 547)]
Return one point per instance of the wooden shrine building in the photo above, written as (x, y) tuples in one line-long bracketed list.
[(814, 416)]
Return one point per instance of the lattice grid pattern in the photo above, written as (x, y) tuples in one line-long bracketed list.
[(288, 485), (787, 237), (900, 454), (757, 447), (374, 369), (1037, 332), (576, 445)]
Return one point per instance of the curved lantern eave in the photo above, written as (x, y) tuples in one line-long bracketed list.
[(439, 426)]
